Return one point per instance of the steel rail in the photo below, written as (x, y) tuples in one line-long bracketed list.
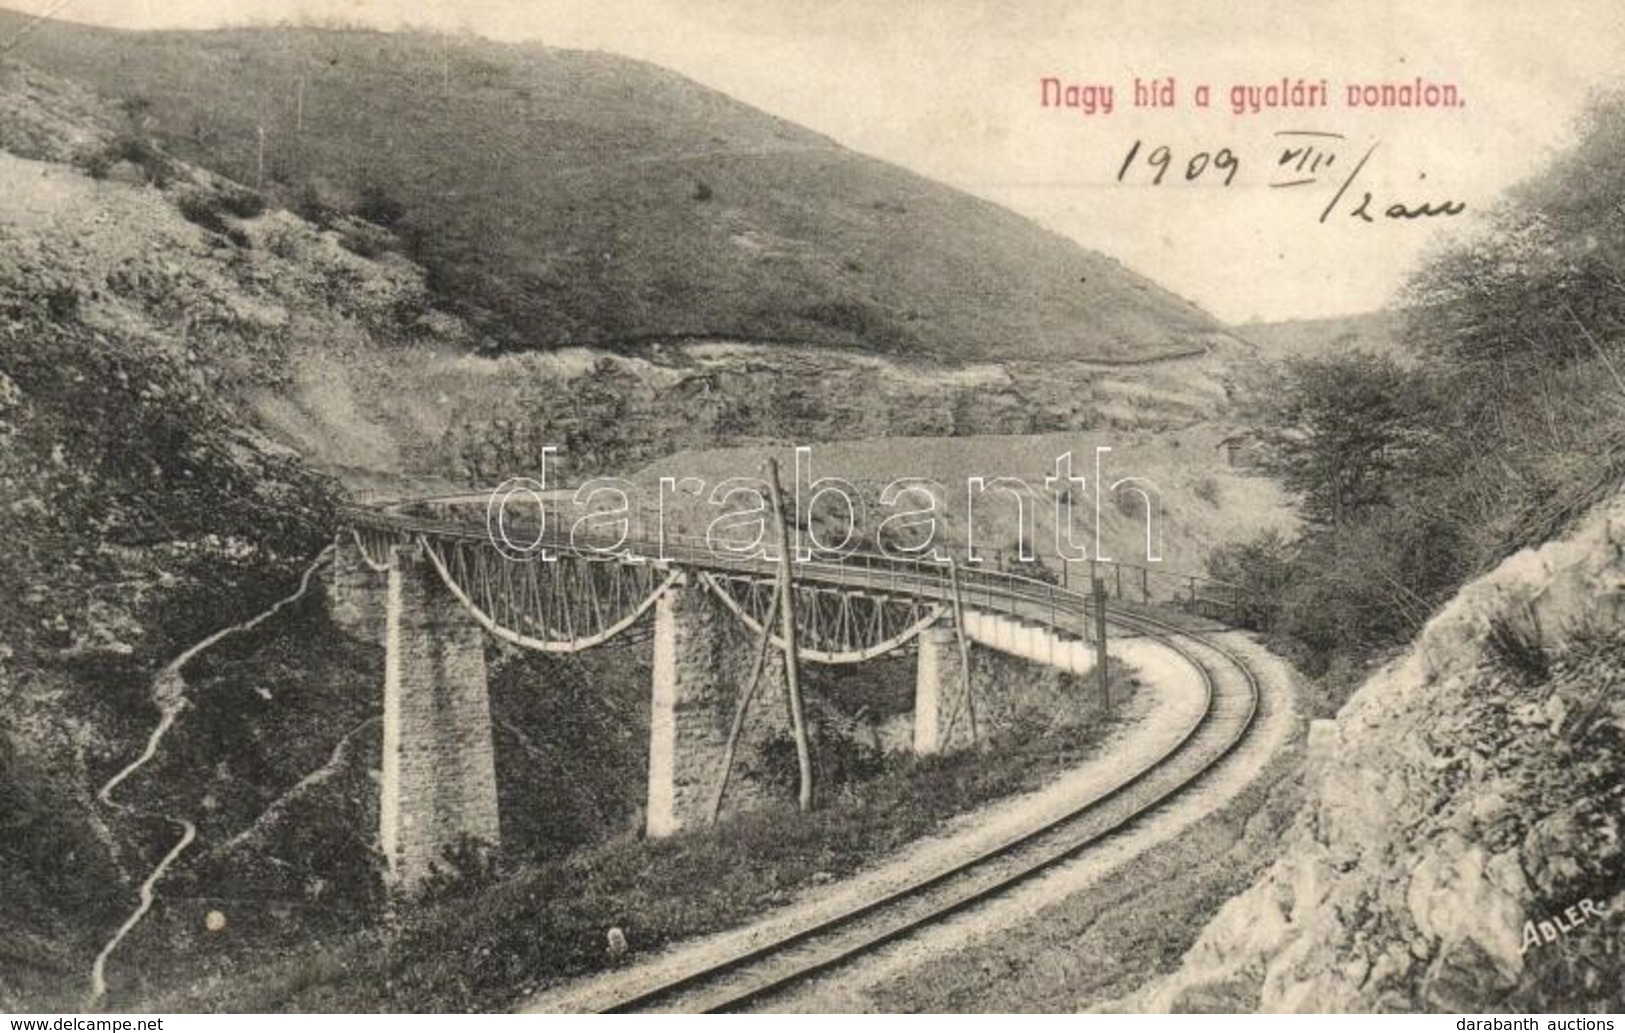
[(750, 976)]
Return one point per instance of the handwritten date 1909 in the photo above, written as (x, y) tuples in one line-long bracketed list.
[(1224, 163), (1303, 158)]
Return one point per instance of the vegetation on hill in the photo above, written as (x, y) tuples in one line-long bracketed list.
[(138, 518), (1509, 423), (1381, 332), (142, 513), (560, 197)]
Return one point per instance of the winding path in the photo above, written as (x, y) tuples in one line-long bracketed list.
[(169, 693)]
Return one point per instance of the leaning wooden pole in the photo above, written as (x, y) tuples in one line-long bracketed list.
[(964, 651), (743, 708), (787, 619), (1100, 643)]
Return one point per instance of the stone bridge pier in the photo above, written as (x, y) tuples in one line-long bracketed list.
[(702, 662), (437, 788), (939, 722)]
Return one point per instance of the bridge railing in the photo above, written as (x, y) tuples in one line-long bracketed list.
[(1051, 599)]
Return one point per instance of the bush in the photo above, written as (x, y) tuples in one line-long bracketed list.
[(1519, 647), (244, 204), (362, 239), (129, 147), (313, 207), (141, 152), (465, 868), (856, 318), (96, 164), (202, 209), (282, 242), (62, 302), (1415, 477), (1262, 568), (379, 207)]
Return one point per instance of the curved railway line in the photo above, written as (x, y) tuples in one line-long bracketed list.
[(754, 976)]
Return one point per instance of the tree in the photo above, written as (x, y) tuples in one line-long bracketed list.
[(1545, 282), (1339, 430)]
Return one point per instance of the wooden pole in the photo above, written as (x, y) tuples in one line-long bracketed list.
[(787, 618), (1100, 644), (964, 652), (743, 708)]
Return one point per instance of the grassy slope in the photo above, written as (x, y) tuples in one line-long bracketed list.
[(132, 535), (565, 196), (1378, 332), (276, 762)]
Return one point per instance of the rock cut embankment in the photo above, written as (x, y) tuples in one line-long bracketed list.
[(1460, 849)]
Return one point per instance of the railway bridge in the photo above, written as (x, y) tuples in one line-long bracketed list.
[(429, 585)]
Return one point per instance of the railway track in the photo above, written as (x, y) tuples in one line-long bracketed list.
[(754, 976)]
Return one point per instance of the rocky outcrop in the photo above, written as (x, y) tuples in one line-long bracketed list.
[(1461, 846)]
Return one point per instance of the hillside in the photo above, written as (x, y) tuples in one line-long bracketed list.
[(130, 534), (147, 508), (1461, 846), (1201, 500), (559, 197), (142, 511), (1378, 332), (1457, 580)]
